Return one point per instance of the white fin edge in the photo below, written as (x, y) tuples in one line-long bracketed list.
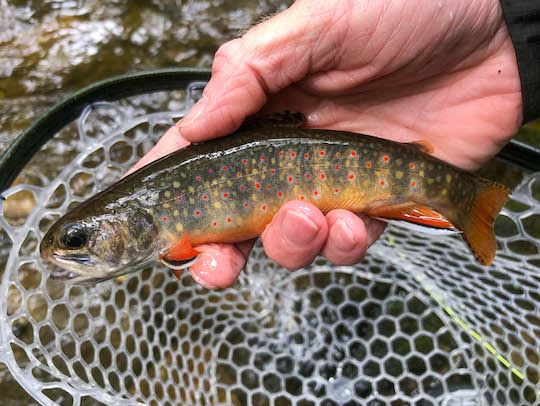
[(420, 228), (180, 265)]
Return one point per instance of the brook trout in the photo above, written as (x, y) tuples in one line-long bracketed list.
[(228, 190)]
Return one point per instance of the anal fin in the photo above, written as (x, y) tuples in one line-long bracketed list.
[(414, 213)]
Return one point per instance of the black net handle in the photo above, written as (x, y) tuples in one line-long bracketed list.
[(44, 128)]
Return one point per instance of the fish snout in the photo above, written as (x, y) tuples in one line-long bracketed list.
[(46, 245)]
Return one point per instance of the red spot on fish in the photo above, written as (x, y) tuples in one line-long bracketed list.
[(307, 155), (197, 212), (336, 190), (205, 197), (239, 175), (272, 171), (264, 207), (368, 164), (257, 185), (382, 182), (280, 194), (353, 153), (315, 193), (241, 187), (337, 167), (267, 186), (244, 161), (385, 158), (308, 176), (164, 218), (179, 198), (413, 183), (198, 178), (293, 154), (323, 176), (225, 195), (262, 157), (210, 171), (229, 220), (338, 154), (281, 154), (214, 223), (411, 166), (224, 168), (321, 153), (351, 176), (290, 178), (301, 197), (245, 204)]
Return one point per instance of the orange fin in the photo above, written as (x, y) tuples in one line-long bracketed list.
[(478, 224), (178, 273), (181, 251), (422, 145), (414, 213)]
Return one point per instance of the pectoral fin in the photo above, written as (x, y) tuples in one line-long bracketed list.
[(180, 256)]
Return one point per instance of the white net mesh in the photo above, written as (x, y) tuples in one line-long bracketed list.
[(416, 323)]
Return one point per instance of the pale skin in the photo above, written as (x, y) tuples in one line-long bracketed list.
[(441, 71)]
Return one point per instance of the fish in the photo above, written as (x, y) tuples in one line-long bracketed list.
[(228, 189)]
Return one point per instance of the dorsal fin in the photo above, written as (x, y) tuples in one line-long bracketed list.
[(283, 119), (422, 145)]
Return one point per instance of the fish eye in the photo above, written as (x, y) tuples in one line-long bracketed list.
[(73, 236)]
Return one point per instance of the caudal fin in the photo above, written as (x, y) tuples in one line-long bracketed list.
[(478, 223)]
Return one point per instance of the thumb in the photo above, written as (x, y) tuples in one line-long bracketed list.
[(268, 58)]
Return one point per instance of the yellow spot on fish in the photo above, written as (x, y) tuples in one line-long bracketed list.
[(215, 192), (192, 200), (448, 178), (214, 182), (421, 173), (399, 161), (185, 212), (166, 205), (176, 213), (297, 170), (273, 160), (289, 165), (217, 205), (399, 174), (254, 197), (443, 192), (167, 194), (191, 188), (229, 183), (179, 227), (176, 184), (430, 181), (254, 171), (366, 182)]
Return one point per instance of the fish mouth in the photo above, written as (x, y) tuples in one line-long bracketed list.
[(63, 275), (77, 258)]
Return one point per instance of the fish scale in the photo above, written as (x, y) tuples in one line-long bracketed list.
[(229, 189)]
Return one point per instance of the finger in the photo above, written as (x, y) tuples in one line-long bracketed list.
[(220, 264), (295, 235), (170, 142), (265, 60), (349, 236)]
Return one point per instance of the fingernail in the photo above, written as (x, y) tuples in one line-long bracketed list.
[(345, 235), (194, 112), (297, 229)]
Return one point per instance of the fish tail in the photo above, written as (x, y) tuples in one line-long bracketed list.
[(478, 224)]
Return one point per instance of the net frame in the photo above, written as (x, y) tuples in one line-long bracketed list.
[(321, 335)]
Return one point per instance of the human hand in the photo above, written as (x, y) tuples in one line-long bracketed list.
[(444, 72)]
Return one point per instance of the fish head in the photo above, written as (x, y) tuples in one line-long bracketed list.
[(96, 247)]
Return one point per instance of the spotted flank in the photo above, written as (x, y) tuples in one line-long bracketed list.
[(228, 190)]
